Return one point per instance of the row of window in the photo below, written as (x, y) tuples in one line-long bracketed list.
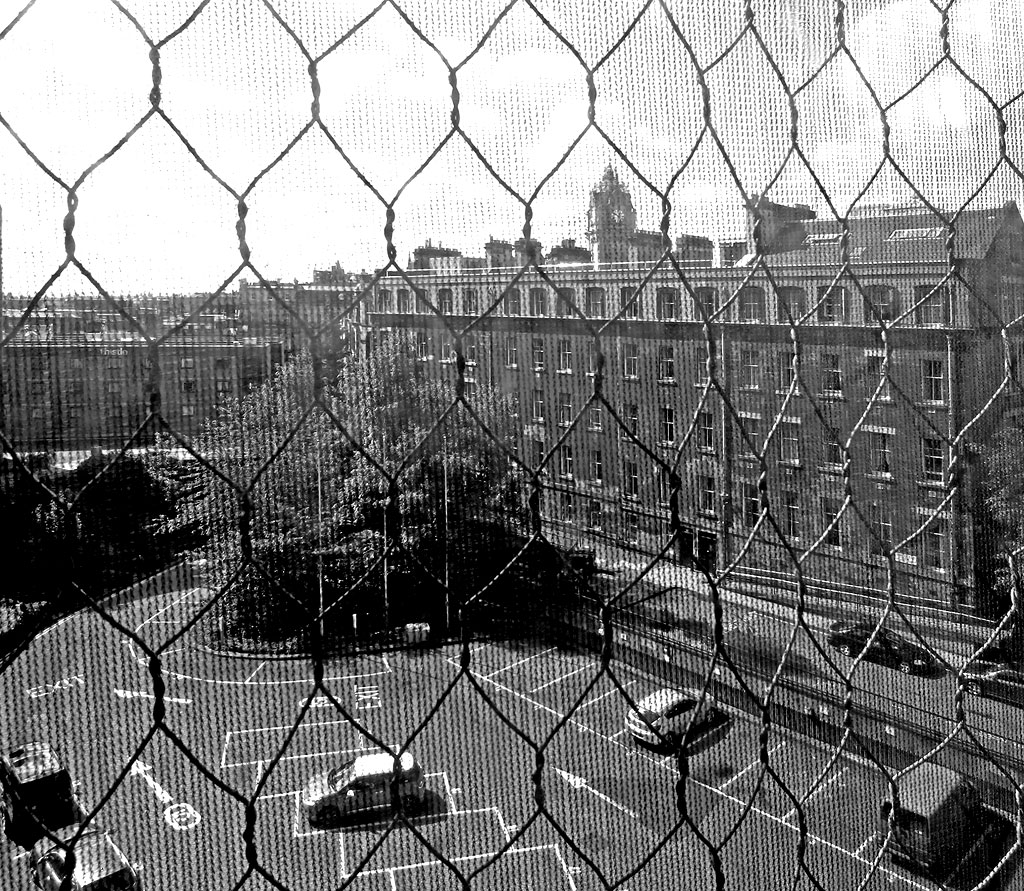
[(832, 304)]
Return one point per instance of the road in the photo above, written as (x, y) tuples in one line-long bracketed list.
[(533, 780)]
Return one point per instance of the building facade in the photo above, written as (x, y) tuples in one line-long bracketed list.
[(831, 392)]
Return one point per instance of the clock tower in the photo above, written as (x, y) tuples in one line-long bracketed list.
[(611, 220)]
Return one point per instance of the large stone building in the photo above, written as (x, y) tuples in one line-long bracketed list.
[(793, 382)]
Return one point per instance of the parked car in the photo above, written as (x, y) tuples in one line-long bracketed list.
[(994, 680), (850, 637), (100, 865), (361, 787), (660, 721), (36, 792)]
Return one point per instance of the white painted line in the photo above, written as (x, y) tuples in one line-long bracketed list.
[(597, 699), (836, 776), (161, 611), (519, 662), (256, 672), (749, 767), (565, 867), (581, 783), (560, 679), (257, 775), (864, 845), (618, 733)]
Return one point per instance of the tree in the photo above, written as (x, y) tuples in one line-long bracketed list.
[(1002, 517), (363, 505)]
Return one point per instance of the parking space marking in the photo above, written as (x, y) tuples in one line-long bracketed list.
[(275, 735), (821, 788), (259, 668), (864, 845), (519, 662), (749, 767), (558, 680), (162, 610), (597, 699)]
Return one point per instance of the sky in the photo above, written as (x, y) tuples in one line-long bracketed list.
[(75, 77)]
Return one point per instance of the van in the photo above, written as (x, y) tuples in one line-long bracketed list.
[(940, 814), (361, 787)]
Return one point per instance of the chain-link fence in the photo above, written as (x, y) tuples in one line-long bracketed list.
[(744, 502)]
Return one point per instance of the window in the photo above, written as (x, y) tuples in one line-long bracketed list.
[(188, 386), (402, 301), (751, 504), (382, 303), (188, 411), (931, 301), (832, 450), (831, 375), (596, 467), (881, 526), (594, 516), (667, 426), (187, 363), (565, 303), (789, 442), (793, 299), (705, 302), (880, 452), (470, 304), (752, 427), (787, 369), (875, 371), (538, 302), (565, 460), (565, 506), (664, 486), (631, 479), (706, 495), (595, 417), (706, 430), (790, 514), (445, 301), (537, 450), (880, 303), (564, 409), (114, 387), (223, 386), (114, 361), (666, 364), (668, 301), (631, 418), (591, 357), (565, 355), (511, 353), (829, 511), (632, 528), (832, 305), (933, 544), (931, 459), (471, 352), (512, 302), (751, 304), (630, 360), (420, 306), (596, 303), (932, 380), (750, 370), (422, 346), (538, 354), (629, 301), (538, 405)]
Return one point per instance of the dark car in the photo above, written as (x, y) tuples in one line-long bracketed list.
[(994, 680), (100, 865), (36, 792), (888, 648)]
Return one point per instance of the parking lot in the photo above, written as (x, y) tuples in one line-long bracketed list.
[(532, 778)]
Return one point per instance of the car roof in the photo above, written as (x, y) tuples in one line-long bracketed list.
[(33, 760), (96, 855), (925, 788), (660, 700), (381, 763)]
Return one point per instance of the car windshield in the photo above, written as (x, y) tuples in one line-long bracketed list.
[(340, 776)]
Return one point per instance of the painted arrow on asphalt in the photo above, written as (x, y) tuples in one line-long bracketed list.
[(580, 783), (143, 770), (136, 694)]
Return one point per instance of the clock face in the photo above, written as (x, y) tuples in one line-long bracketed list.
[(617, 215)]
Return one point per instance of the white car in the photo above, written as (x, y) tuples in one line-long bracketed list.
[(361, 787), (661, 719)]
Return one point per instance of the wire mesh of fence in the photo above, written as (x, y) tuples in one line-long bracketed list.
[(747, 470)]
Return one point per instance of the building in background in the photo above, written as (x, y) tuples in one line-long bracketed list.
[(707, 409)]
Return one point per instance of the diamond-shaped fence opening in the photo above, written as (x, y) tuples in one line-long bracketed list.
[(672, 542)]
